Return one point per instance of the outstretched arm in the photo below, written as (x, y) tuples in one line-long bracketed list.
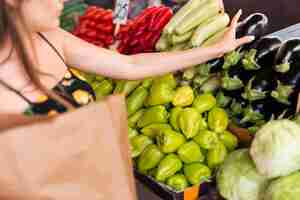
[(101, 61)]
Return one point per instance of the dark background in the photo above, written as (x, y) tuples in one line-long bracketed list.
[(281, 13)]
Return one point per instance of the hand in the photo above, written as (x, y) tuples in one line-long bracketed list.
[(229, 42)]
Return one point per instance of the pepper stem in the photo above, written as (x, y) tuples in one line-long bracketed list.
[(249, 62), (222, 100), (236, 107), (253, 94), (251, 116), (282, 68), (229, 83), (204, 69), (231, 59), (282, 93)]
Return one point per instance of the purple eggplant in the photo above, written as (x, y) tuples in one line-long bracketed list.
[(261, 53)]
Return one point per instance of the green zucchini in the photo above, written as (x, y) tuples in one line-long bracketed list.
[(162, 44), (209, 28), (177, 39), (197, 16), (76, 8), (215, 38), (178, 47), (181, 14)]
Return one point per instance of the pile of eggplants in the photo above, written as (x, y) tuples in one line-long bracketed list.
[(259, 81)]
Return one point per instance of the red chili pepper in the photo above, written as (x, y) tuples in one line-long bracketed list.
[(108, 16), (154, 40), (92, 34), (91, 24), (90, 15), (163, 19), (109, 39), (90, 8), (98, 17)]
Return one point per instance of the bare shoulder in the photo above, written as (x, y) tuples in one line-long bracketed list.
[(57, 36)]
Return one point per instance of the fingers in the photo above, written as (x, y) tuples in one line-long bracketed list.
[(245, 40), (235, 20)]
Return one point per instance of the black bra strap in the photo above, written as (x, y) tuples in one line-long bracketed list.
[(53, 47), (15, 91)]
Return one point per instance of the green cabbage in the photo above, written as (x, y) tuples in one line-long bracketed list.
[(276, 148), (285, 188), (237, 178)]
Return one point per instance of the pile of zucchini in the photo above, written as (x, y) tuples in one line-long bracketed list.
[(193, 25)]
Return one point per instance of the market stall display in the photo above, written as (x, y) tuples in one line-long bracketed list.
[(180, 125)]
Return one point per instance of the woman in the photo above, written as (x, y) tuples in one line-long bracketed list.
[(35, 53)]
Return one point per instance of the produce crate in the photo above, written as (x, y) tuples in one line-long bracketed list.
[(205, 189)]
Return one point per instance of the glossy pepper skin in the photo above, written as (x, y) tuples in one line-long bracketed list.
[(138, 144), (189, 122), (174, 116), (178, 182), (229, 140), (169, 166), (197, 173), (160, 94), (150, 158), (169, 141), (204, 102), (136, 100), (217, 120), (126, 87), (206, 139), (103, 88), (154, 129), (132, 133), (190, 152), (133, 120), (216, 156), (184, 96), (162, 91), (156, 114)]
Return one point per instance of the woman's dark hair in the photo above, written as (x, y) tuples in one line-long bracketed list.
[(7, 26)]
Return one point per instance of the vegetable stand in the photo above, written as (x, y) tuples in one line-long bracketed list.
[(179, 123)]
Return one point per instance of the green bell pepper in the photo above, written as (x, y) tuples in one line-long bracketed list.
[(138, 144), (102, 88), (189, 122), (133, 120), (184, 96), (154, 129), (149, 159), (217, 120), (178, 182), (169, 141), (229, 140), (136, 100), (197, 173), (126, 87), (174, 116), (216, 156), (190, 152), (160, 94), (204, 102), (147, 83), (207, 139), (156, 114), (168, 167), (132, 133)]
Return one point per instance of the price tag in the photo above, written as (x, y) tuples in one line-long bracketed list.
[(121, 11)]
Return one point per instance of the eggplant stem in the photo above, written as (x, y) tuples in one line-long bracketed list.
[(282, 93), (231, 59), (231, 83), (282, 68), (253, 94), (249, 62), (251, 116)]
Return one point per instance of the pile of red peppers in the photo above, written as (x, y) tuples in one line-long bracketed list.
[(137, 36)]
